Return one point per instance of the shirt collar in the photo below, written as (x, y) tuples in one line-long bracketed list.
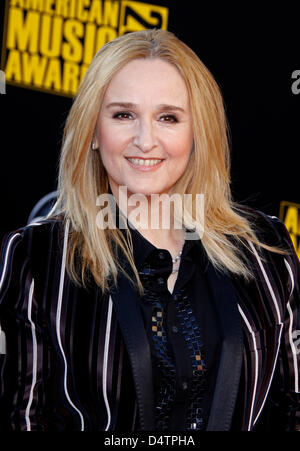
[(142, 248)]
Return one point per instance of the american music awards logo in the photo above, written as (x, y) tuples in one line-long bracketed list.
[(48, 45)]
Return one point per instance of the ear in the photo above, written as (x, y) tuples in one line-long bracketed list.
[(95, 143)]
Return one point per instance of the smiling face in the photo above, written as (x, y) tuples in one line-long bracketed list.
[(144, 129)]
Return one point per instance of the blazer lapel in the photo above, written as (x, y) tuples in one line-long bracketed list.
[(228, 377), (126, 304)]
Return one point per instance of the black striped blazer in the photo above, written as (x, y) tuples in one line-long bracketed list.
[(75, 359)]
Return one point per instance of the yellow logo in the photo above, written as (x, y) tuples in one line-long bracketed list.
[(49, 44), (290, 214)]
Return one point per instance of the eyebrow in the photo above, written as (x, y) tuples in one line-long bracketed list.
[(162, 106)]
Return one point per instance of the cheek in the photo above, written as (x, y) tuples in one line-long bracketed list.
[(182, 149), (180, 146), (110, 147)]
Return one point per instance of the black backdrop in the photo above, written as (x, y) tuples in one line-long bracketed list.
[(252, 54)]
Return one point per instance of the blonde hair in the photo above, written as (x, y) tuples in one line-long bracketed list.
[(82, 177)]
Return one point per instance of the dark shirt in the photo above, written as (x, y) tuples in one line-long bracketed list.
[(183, 333)]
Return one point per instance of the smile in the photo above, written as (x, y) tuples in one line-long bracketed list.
[(144, 162)]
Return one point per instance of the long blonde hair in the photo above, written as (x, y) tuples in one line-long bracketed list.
[(82, 177)]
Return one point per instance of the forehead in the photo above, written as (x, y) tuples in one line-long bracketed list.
[(147, 79)]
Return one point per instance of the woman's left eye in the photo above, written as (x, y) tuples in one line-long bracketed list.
[(169, 118)]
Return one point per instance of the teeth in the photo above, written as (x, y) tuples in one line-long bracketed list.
[(141, 162)]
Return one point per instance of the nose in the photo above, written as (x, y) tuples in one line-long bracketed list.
[(144, 137)]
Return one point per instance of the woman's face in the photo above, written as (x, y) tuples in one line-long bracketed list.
[(144, 130)]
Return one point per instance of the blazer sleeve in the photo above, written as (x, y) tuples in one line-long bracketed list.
[(21, 364), (286, 399)]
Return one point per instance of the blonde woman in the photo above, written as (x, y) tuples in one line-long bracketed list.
[(113, 320)]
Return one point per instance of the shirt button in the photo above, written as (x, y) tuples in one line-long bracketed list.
[(175, 329), (146, 271), (176, 297), (161, 255), (161, 281), (184, 385)]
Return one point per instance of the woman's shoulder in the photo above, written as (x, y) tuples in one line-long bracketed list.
[(35, 236), (268, 228), (271, 231), (30, 250), (39, 225)]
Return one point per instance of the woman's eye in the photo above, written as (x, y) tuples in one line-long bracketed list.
[(122, 115), (168, 118)]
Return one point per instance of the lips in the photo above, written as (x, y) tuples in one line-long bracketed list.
[(144, 162)]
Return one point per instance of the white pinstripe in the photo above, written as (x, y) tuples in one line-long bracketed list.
[(6, 259), (7, 253), (256, 364), (2, 341), (293, 348), (105, 358), (290, 274), (271, 378), (291, 341), (58, 318), (34, 357), (2, 334), (279, 321), (267, 282)]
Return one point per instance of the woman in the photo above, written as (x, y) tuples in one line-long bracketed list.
[(113, 322)]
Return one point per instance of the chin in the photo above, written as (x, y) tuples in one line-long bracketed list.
[(144, 190), (148, 193)]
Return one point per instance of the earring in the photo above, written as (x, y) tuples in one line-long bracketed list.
[(93, 146)]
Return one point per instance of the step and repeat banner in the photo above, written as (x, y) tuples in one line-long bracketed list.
[(47, 46)]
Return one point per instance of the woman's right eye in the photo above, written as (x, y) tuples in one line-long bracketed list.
[(122, 115)]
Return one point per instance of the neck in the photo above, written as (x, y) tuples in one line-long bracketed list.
[(153, 217)]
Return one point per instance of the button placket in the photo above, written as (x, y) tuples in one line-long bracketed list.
[(161, 281), (192, 335), (161, 255)]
